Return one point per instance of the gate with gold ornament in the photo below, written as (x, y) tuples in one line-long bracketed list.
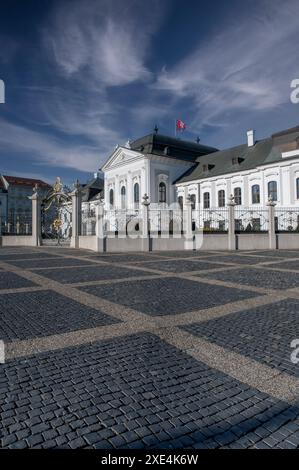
[(56, 215)]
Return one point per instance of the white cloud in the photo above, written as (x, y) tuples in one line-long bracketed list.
[(247, 66), (46, 150), (107, 41)]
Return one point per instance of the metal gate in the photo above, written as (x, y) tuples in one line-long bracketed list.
[(56, 215)]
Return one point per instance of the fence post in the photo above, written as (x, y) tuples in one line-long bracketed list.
[(187, 220), (231, 223), (145, 223), (36, 216), (76, 215), (100, 234), (271, 229)]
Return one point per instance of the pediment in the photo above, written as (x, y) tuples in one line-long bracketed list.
[(121, 156)]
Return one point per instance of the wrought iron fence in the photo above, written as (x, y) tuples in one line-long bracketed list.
[(17, 224), (166, 221), (212, 220), (122, 221), (286, 219), (251, 219), (88, 222)]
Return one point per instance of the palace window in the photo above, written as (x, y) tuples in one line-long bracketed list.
[(221, 198), (255, 194), (206, 200), (162, 192), (123, 197), (297, 187), (272, 190), (111, 197), (238, 196), (136, 194)]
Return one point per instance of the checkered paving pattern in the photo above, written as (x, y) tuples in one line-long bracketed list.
[(269, 279), (167, 296), (148, 350), (92, 273), (12, 280), (264, 333), (43, 313), (132, 392)]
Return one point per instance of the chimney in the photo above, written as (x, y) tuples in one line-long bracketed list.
[(250, 138)]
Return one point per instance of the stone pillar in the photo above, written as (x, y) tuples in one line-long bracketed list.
[(100, 233), (231, 223), (187, 224), (76, 215), (36, 217), (145, 223), (271, 229)]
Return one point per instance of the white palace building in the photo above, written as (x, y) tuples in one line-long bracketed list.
[(169, 169)]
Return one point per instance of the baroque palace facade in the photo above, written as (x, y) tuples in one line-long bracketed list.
[(169, 170)]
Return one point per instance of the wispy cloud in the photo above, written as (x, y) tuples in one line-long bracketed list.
[(247, 66), (104, 41)]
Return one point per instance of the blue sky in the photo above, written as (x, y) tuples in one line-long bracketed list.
[(84, 75)]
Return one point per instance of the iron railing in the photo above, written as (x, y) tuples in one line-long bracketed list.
[(166, 220), (17, 224), (122, 220), (212, 220), (286, 219), (88, 222), (251, 219)]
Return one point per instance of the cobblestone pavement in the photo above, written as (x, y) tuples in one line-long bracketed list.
[(148, 350)]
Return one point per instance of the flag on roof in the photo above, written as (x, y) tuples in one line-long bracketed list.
[(181, 126)]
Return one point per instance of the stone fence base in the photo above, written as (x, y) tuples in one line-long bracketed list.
[(18, 240)]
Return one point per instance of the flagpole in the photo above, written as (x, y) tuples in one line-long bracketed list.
[(175, 128)]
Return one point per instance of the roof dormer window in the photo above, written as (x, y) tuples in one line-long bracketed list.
[(237, 160)]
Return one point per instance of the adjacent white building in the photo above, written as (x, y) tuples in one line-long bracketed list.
[(168, 170)]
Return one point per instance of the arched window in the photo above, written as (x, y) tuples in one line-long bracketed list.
[(221, 198), (272, 190), (238, 196), (297, 187), (206, 200), (162, 192), (181, 201), (136, 193), (111, 197), (193, 201), (123, 197), (255, 194)]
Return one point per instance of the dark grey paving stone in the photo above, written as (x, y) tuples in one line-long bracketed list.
[(264, 333), (93, 272), (242, 259), (140, 391), (123, 258), (43, 313), (167, 296), (278, 253), (51, 262), (10, 280), (24, 255), (265, 278), (285, 265), (183, 254), (180, 265)]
